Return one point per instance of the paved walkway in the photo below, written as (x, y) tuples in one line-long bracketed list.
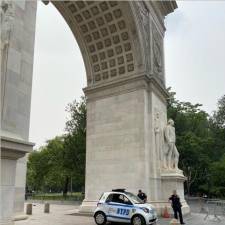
[(58, 217)]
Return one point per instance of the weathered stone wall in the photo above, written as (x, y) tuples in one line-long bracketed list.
[(18, 20), (17, 75), (115, 143), (20, 182)]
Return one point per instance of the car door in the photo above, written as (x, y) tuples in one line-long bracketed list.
[(119, 208)]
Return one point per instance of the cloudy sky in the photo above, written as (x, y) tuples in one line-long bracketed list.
[(194, 55)]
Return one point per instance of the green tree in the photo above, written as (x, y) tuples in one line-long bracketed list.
[(45, 171), (36, 168), (62, 160), (193, 140), (217, 170), (75, 143), (219, 115), (201, 143)]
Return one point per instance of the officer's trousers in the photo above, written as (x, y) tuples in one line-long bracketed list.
[(177, 210)]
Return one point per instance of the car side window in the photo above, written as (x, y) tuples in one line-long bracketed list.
[(118, 198), (127, 201), (109, 199)]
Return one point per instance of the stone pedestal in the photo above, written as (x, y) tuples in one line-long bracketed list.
[(172, 180)]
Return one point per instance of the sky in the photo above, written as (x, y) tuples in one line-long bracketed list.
[(194, 63)]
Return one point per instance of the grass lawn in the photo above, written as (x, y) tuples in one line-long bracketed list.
[(76, 196)]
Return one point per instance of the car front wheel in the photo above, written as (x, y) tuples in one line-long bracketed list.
[(138, 220), (100, 218)]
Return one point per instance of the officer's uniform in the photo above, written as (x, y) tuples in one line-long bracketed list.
[(176, 205), (142, 196)]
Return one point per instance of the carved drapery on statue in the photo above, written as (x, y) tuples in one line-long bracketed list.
[(171, 155)]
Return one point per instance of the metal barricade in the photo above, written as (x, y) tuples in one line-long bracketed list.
[(216, 208)]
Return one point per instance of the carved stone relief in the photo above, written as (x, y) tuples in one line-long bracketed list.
[(157, 46), (158, 134), (7, 17), (145, 24)]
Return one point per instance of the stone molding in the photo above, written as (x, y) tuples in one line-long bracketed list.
[(160, 9), (14, 149), (173, 176), (138, 82)]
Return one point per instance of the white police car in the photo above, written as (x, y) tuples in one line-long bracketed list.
[(121, 206)]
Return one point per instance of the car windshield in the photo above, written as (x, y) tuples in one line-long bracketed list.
[(134, 198)]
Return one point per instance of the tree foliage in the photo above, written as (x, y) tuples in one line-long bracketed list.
[(201, 143), (75, 142), (62, 161), (219, 115), (45, 171)]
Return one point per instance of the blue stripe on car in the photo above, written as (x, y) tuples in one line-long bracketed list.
[(129, 206), (118, 217)]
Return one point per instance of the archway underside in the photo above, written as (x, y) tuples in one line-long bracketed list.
[(104, 37)]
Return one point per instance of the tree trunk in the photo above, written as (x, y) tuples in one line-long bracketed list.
[(188, 188), (66, 184)]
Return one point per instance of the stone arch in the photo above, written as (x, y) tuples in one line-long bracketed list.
[(107, 36), (122, 47)]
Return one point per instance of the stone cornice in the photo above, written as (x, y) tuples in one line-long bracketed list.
[(137, 82), (115, 88), (161, 9), (13, 148), (158, 89), (167, 7)]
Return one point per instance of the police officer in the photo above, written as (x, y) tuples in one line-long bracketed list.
[(176, 205), (142, 196)]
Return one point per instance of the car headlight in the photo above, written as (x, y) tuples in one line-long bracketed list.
[(152, 211), (146, 210)]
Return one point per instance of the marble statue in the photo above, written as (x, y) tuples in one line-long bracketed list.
[(171, 155)]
